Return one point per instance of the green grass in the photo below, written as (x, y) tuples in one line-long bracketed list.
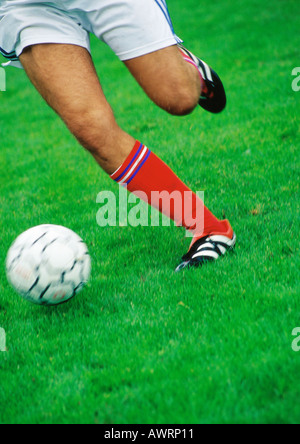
[(142, 344)]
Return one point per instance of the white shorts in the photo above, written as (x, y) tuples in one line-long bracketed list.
[(131, 28)]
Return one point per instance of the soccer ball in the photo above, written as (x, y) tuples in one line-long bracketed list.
[(48, 265)]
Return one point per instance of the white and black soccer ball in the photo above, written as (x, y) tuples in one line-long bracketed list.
[(48, 264)]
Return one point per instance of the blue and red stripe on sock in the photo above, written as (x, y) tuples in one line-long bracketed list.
[(132, 165)]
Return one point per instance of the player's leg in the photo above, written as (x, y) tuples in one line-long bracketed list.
[(65, 77), (169, 81), (177, 81), (142, 35)]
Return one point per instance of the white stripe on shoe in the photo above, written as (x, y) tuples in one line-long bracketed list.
[(210, 248)]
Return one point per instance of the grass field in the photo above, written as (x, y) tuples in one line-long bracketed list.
[(142, 344)]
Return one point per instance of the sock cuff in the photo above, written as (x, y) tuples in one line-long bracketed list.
[(132, 165)]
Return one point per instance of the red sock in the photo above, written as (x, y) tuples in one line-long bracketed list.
[(144, 172)]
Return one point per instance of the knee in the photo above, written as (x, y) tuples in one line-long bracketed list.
[(181, 101), (183, 104)]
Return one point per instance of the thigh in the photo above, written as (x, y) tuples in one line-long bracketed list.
[(159, 69), (65, 77), (167, 79)]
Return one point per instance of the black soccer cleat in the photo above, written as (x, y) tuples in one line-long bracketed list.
[(207, 249), (214, 98)]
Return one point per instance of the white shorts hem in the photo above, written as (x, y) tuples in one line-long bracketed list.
[(50, 39), (147, 49)]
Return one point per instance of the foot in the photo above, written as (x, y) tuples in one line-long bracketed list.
[(207, 249), (213, 96)]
